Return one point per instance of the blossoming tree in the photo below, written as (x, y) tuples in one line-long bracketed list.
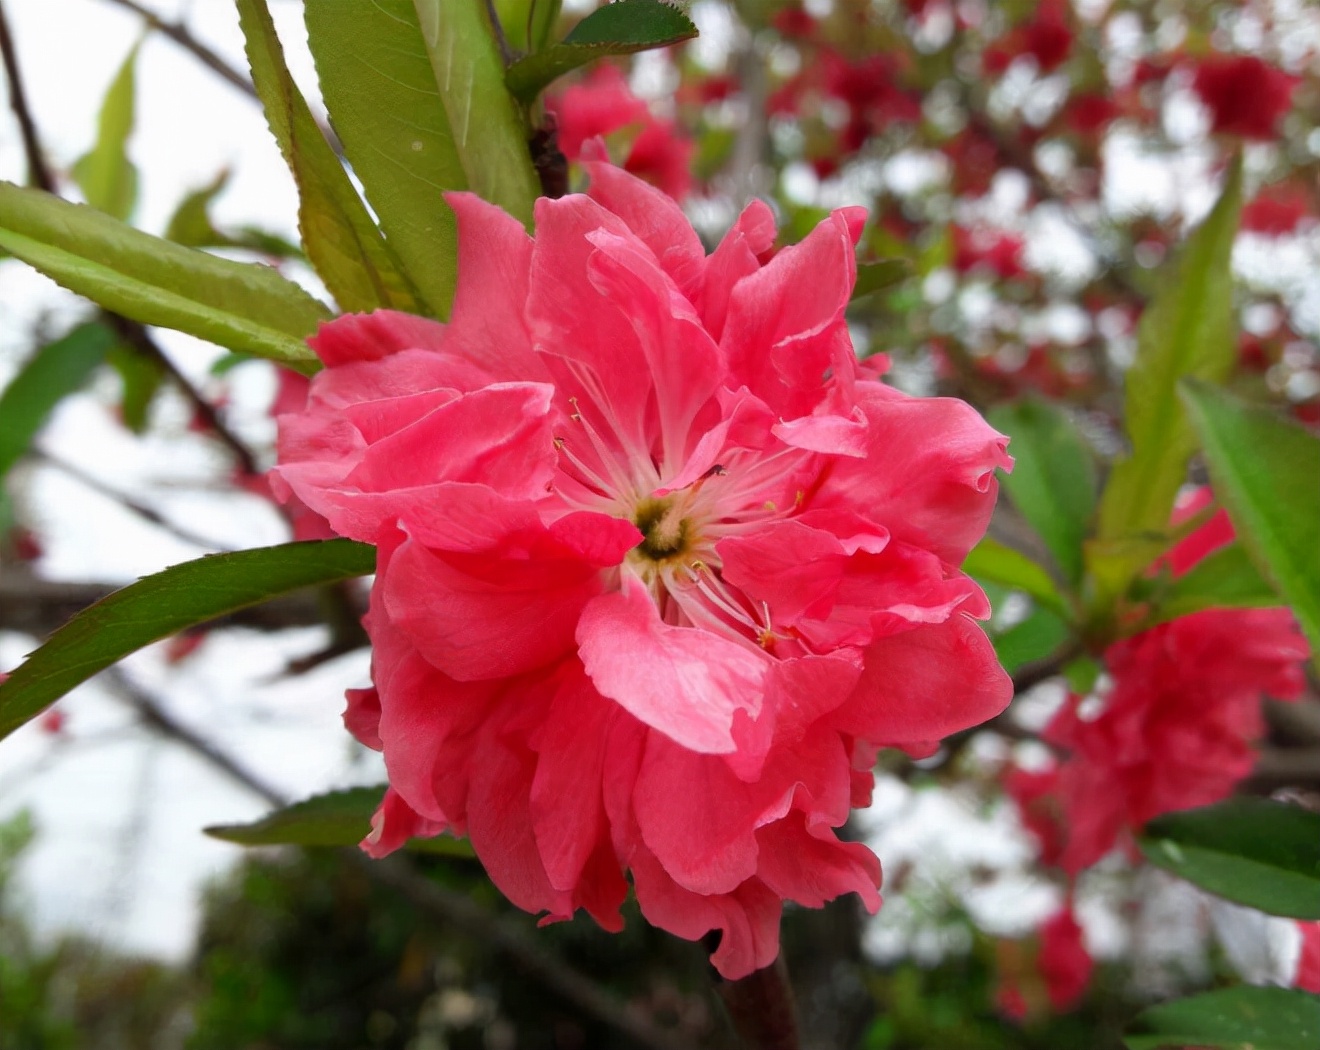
[(667, 553)]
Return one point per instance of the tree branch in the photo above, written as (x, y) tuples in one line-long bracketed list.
[(180, 35), (39, 172)]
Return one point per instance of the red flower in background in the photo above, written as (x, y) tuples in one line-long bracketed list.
[(1245, 95), (1177, 726), (994, 251), (1277, 211), (602, 104), (1063, 960), (658, 569), (1307, 976)]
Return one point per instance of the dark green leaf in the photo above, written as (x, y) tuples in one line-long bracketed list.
[(1053, 483), (1253, 851), (162, 605), (1225, 579), (105, 175), (339, 818), (1242, 1018), (1038, 636), (241, 306), (342, 241), (142, 377), (620, 28), (1187, 330), (996, 562), (55, 370), (877, 276), (1266, 471), (488, 125)]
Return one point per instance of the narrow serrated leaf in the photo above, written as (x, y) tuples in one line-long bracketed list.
[(379, 87), (242, 306), (161, 605), (1188, 329), (342, 241), (338, 818), (1053, 483), (489, 130), (1242, 1018), (52, 372), (1266, 472), (105, 175), (1253, 851), (621, 28)]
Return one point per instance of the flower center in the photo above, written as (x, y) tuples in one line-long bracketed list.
[(666, 534)]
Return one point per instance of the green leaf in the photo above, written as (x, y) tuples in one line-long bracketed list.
[(877, 276), (1266, 472), (1053, 483), (161, 605), (339, 818), (620, 28), (55, 370), (487, 123), (998, 563), (381, 93), (1038, 636), (1225, 579), (191, 225), (1186, 330), (241, 306), (142, 378), (105, 175), (1263, 854), (342, 241), (1242, 1018)]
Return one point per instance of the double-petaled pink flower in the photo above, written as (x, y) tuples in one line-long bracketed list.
[(660, 565)]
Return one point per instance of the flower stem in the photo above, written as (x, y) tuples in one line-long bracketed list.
[(762, 1009)]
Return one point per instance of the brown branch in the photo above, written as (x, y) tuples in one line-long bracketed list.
[(180, 35), (126, 501), (761, 1008), (39, 172), (137, 338)]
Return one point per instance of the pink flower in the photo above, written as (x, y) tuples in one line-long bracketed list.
[(603, 103), (1245, 96), (1179, 722), (1307, 975), (658, 571)]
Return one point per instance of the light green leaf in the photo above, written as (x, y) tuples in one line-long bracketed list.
[(1038, 636), (620, 28), (488, 126), (342, 241), (105, 175), (877, 276), (1242, 1018), (52, 372), (994, 561), (1186, 330), (1256, 852), (161, 605), (338, 818), (241, 306), (191, 225), (380, 89), (1266, 472), (1225, 579), (1053, 483)]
